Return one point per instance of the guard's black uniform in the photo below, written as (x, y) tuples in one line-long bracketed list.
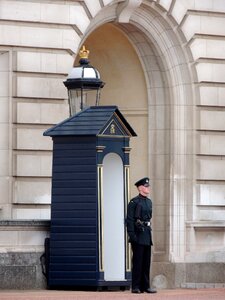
[(139, 214)]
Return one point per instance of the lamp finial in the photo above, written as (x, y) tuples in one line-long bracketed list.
[(84, 53)]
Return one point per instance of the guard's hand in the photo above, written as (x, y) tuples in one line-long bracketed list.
[(132, 237)]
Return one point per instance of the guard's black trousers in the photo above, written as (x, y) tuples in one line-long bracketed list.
[(140, 266)]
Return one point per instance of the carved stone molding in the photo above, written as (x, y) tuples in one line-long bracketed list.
[(126, 9)]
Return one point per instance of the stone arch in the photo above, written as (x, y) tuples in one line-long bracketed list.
[(166, 65), (175, 77)]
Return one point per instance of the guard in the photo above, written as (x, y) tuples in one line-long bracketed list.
[(139, 214)]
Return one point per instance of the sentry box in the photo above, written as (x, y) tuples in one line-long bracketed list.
[(90, 189)]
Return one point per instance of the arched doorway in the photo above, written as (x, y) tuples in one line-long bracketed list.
[(114, 56)]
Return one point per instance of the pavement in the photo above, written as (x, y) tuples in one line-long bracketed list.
[(176, 294)]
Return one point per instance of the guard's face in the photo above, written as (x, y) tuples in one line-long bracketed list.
[(144, 190)]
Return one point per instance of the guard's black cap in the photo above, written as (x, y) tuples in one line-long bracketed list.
[(144, 181)]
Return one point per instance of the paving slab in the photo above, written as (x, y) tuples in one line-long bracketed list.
[(176, 294)]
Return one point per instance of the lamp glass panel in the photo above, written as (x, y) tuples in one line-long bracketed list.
[(75, 73), (82, 98), (75, 101), (89, 73)]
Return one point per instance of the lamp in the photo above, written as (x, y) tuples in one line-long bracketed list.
[(81, 83)]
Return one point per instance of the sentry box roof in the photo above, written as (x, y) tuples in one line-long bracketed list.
[(93, 121)]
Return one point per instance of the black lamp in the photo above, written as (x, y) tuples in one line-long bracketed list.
[(82, 82)]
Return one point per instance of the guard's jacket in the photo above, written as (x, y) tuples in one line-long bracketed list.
[(139, 214)]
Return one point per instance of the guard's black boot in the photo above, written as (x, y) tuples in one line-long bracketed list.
[(150, 291), (136, 291)]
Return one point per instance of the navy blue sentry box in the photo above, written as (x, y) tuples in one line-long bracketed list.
[(90, 190)]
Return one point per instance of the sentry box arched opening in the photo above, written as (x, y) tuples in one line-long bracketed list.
[(90, 190)]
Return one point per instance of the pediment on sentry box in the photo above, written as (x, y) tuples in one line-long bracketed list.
[(115, 127)]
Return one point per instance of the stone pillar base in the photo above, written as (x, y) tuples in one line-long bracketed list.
[(187, 275)]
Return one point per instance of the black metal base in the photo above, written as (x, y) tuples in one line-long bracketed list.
[(101, 285), (113, 285)]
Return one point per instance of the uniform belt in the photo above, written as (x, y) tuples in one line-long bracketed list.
[(147, 223)]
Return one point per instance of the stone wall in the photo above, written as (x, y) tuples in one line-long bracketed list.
[(22, 244), (21, 270), (180, 47)]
